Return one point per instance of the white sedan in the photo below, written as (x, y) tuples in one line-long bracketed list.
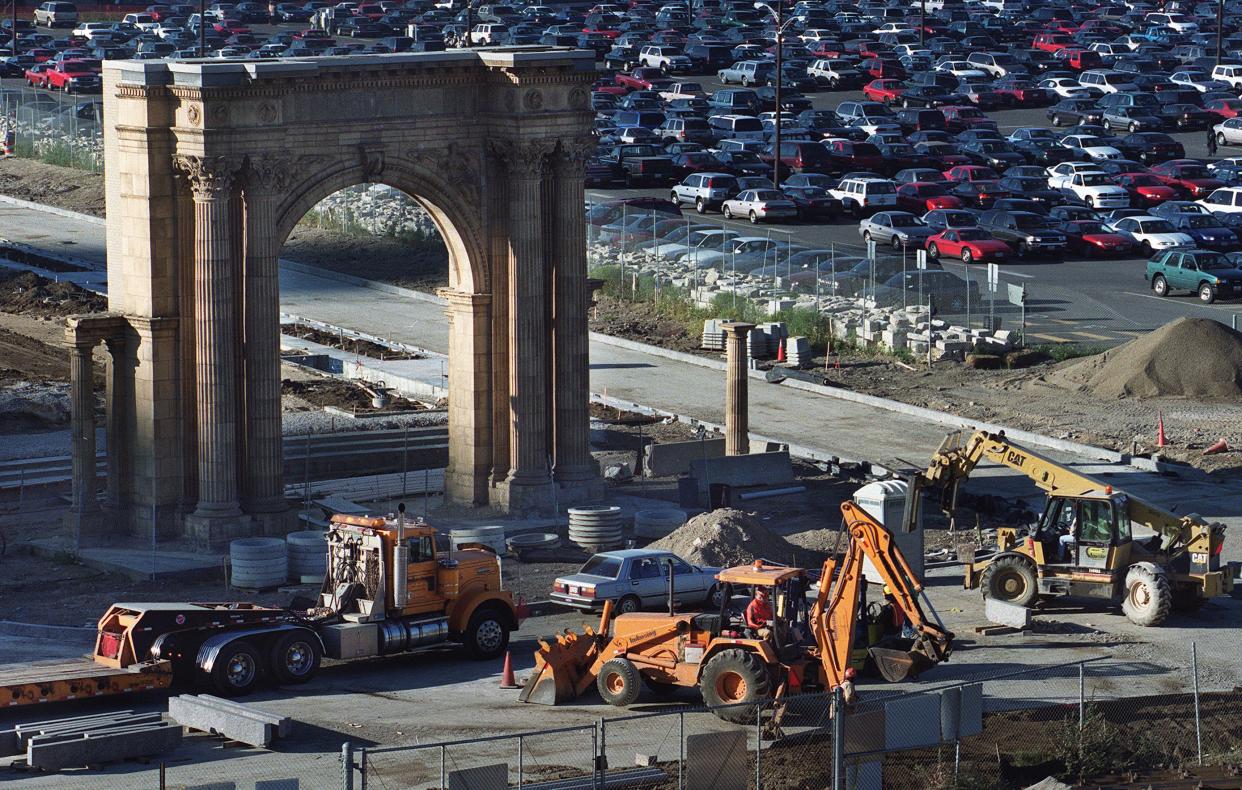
[(1060, 175), (1150, 233), (1197, 80), (758, 204), (1066, 88), (1090, 146), (961, 69), (1228, 132)]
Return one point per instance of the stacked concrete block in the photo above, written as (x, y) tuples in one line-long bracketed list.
[(798, 351), (713, 335), (893, 339), (88, 740), (246, 724)]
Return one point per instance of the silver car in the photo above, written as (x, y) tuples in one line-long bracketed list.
[(897, 228), (637, 578)]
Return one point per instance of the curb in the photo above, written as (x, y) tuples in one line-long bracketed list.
[(60, 212), (328, 274)]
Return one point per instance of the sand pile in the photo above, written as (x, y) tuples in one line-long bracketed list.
[(726, 537), (1189, 357)]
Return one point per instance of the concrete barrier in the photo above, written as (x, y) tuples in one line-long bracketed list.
[(72, 750), (740, 471), (674, 458), (235, 721)]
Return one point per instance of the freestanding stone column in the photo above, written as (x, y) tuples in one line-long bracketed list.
[(529, 482), (214, 520), (82, 416), (263, 451), (571, 357), (737, 417)]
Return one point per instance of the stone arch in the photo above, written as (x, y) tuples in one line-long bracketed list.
[(453, 210), (211, 164)]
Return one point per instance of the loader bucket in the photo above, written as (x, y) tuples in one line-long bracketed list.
[(562, 669), (898, 665)]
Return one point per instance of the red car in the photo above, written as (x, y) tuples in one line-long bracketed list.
[(76, 76), (36, 75), (1225, 108), (918, 197), (1145, 189), (1189, 175), (1091, 238), (1021, 92), (1051, 42), (969, 244), (599, 31), (884, 91), (971, 173), (42, 55), (642, 79), (230, 27)]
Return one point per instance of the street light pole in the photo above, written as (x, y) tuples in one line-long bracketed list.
[(780, 36), (202, 28), (922, 22), (1220, 27)]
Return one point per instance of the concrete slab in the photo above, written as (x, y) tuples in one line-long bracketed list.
[(235, 721), (1003, 613), (277, 784), (674, 458), (483, 777), (739, 471), (911, 723), (52, 753), (867, 775), (138, 564), (864, 732), (717, 761)]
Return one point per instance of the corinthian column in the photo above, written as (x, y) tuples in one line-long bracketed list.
[(216, 340), (528, 482), (737, 410), (263, 453), (571, 362)]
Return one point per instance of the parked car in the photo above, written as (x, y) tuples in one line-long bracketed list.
[(1150, 233), (972, 245), (705, 191), (897, 229), (760, 204), (1208, 274), (634, 579)]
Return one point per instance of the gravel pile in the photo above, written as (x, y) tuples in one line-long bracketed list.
[(26, 293), (724, 538), (1190, 357)]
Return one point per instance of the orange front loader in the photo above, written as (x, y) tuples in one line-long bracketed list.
[(808, 644)]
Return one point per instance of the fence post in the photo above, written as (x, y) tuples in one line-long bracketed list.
[(681, 750), (362, 766), (758, 747), (603, 754), (1082, 697), (443, 769), (1194, 670), (520, 761), (347, 766), (838, 740)]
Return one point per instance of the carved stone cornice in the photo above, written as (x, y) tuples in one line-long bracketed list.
[(571, 155), (210, 177)]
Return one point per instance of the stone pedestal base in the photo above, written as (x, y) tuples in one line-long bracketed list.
[(579, 492), (95, 528), (275, 524), (521, 499), (213, 533)]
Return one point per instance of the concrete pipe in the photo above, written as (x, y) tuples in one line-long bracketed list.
[(307, 553), (655, 524), (493, 537), (534, 541), (595, 528), (258, 563)]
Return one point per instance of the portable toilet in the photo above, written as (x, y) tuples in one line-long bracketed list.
[(885, 501)]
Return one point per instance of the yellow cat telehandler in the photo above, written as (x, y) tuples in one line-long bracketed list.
[(1084, 544)]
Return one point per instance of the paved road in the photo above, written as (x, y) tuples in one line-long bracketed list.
[(1077, 300)]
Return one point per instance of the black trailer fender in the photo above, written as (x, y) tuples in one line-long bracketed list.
[(212, 646)]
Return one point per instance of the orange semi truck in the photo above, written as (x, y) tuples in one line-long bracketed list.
[(387, 590)]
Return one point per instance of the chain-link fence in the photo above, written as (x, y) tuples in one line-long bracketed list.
[(1090, 719), (58, 128), (695, 267)]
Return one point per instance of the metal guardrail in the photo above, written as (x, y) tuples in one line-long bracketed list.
[(318, 456)]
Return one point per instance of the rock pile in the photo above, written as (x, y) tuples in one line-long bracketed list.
[(724, 538)]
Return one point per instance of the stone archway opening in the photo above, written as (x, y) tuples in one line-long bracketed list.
[(211, 165)]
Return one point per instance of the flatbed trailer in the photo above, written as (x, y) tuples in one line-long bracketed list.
[(77, 678)]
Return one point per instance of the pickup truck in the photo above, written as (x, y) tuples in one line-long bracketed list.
[(1209, 274), (73, 76), (683, 90), (644, 79), (1024, 231), (642, 165)]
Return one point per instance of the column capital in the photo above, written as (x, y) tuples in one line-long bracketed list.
[(463, 300), (522, 158), (210, 177), (738, 329), (269, 174), (571, 155)]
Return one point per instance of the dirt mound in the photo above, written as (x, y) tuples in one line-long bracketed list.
[(1189, 357), (29, 294), (726, 537)]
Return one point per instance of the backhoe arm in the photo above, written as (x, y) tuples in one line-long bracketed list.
[(955, 460)]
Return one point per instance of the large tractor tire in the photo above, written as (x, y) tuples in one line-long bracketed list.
[(1010, 579), (1149, 596), (734, 677), (619, 682), (487, 634)]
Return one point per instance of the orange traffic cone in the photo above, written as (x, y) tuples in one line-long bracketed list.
[(780, 350), (507, 681), (1221, 446), (1160, 440)]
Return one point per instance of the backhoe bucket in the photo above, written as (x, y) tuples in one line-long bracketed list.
[(562, 669), (898, 665)]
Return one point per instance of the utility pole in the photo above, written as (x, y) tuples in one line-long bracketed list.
[(778, 15), (922, 22), (202, 28), (1220, 27)]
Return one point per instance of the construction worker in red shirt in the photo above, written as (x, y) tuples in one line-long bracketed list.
[(759, 613)]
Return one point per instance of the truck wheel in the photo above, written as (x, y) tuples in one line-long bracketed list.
[(734, 677), (487, 634), (235, 671), (629, 604), (1148, 596), (619, 682), (294, 658), (1160, 286), (1010, 579), (1207, 294)]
